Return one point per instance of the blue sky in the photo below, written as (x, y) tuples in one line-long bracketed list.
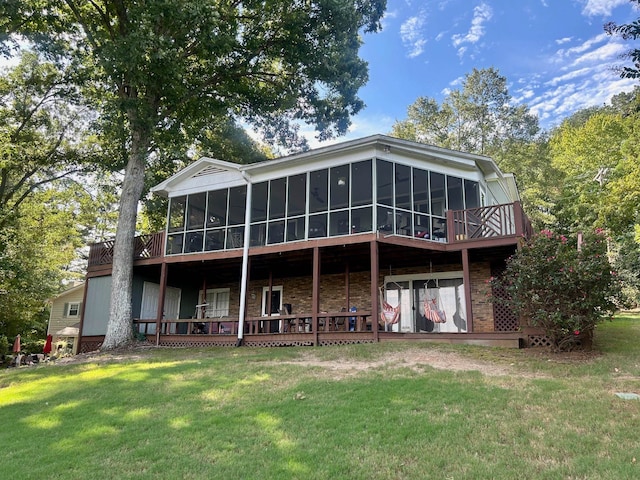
[(554, 54)]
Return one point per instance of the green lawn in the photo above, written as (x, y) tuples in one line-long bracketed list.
[(319, 413)]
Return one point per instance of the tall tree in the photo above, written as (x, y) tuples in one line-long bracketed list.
[(40, 137), (481, 118), (35, 248), (165, 67), (593, 167), (477, 118), (628, 31)]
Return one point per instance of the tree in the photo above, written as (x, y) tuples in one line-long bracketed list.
[(597, 165), (477, 119), (40, 137), (35, 248), (165, 68), (565, 288), (481, 118), (628, 31)]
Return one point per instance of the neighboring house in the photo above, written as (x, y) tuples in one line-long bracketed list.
[(376, 239), (64, 318)]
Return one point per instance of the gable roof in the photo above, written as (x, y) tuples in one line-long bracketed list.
[(204, 170)]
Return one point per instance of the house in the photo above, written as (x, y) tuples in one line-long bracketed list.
[(370, 240), (64, 317)]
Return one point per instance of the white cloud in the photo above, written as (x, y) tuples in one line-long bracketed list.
[(389, 14), (604, 54), (572, 75), (601, 7), (481, 14), (412, 35), (564, 40), (562, 54)]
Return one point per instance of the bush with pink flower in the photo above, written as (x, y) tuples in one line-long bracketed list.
[(565, 289)]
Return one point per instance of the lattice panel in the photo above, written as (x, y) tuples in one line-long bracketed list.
[(276, 343), (343, 342), (196, 344), (539, 341), (86, 347), (504, 319)]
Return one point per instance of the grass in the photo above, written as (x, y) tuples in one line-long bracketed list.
[(273, 414)]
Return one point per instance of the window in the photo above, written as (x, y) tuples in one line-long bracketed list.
[(259, 195), (384, 182), (340, 187), (176, 213), (318, 183), (195, 211), (297, 195), (217, 209), (403, 186), (361, 184), (72, 310), (277, 198), (471, 194), (454, 193), (217, 303)]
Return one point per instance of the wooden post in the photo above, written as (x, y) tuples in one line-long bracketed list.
[(161, 296), (84, 306), (315, 295), (451, 229), (375, 269), (466, 278), (518, 219)]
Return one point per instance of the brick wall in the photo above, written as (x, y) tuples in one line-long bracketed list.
[(298, 292)]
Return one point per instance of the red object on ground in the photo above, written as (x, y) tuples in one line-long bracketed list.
[(47, 345)]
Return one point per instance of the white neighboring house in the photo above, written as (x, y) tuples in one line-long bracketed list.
[(64, 318)]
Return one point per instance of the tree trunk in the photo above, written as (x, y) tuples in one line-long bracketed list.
[(119, 328)]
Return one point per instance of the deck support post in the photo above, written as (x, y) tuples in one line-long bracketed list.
[(161, 296), (466, 278), (375, 269), (315, 295), (245, 261)]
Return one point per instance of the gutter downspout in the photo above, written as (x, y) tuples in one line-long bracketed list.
[(245, 261)]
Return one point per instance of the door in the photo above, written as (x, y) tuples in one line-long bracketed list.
[(272, 326), (398, 293), (149, 306)]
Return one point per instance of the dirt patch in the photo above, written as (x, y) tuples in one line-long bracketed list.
[(412, 359), (415, 359)]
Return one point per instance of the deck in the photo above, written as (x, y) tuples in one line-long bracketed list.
[(485, 224), (339, 328)]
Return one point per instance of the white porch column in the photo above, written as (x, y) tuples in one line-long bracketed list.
[(245, 261)]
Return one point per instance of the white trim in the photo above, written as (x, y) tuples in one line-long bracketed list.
[(265, 293)]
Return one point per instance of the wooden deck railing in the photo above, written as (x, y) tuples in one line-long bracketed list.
[(493, 221), (301, 323), (145, 246)]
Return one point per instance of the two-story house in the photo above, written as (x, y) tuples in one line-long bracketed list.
[(375, 239)]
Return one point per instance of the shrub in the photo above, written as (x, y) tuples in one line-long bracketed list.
[(565, 290)]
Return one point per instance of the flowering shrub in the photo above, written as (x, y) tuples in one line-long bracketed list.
[(566, 290)]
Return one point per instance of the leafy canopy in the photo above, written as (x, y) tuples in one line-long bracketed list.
[(565, 288)]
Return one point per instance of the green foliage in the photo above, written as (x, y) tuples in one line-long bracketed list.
[(41, 131), (597, 167), (478, 118), (628, 31), (35, 251), (626, 260), (565, 289)]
